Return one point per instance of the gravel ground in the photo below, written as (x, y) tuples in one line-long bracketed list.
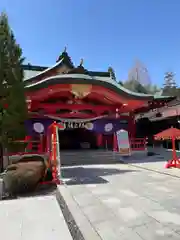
[(73, 228)]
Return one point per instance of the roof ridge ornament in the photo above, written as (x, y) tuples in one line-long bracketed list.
[(112, 73), (65, 58), (81, 62)]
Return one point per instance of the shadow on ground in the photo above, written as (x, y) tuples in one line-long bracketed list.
[(144, 159), (156, 154), (89, 175), (41, 190)]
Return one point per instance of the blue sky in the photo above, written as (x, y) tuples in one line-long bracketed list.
[(105, 33)]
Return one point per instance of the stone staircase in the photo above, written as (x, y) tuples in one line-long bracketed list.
[(69, 158)]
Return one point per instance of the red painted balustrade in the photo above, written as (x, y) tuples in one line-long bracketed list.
[(138, 144)]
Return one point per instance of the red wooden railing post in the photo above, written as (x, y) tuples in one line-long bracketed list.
[(115, 144), (138, 144), (99, 140)]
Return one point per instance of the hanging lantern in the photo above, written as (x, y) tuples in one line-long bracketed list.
[(29, 102)]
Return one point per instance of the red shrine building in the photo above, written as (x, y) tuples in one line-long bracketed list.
[(92, 105)]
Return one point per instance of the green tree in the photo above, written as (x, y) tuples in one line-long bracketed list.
[(121, 83), (170, 86), (169, 80), (152, 89), (13, 110), (136, 86)]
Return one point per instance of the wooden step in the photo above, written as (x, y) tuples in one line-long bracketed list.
[(89, 157)]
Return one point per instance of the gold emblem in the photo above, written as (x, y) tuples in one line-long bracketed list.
[(81, 90)]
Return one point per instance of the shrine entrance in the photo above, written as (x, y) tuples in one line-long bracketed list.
[(77, 139)]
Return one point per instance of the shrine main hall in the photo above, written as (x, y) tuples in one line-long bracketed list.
[(91, 105)]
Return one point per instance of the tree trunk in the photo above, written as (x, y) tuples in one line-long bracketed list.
[(1, 159)]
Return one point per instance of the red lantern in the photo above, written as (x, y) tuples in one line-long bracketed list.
[(5, 105)]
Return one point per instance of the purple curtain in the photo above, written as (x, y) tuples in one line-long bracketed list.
[(105, 126)]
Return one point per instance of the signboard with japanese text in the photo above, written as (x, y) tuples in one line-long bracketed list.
[(123, 142)]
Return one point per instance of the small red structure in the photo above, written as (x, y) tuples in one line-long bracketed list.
[(173, 134), (138, 144), (52, 150)]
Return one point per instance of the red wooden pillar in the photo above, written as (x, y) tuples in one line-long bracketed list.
[(99, 140), (115, 145), (41, 144), (132, 126)]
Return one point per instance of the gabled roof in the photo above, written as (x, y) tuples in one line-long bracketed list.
[(63, 59), (33, 67), (107, 82), (41, 73), (170, 110), (32, 72), (79, 75)]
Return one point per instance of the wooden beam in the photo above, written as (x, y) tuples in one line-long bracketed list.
[(79, 107), (75, 115), (78, 115)]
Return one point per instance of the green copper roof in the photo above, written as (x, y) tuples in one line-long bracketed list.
[(92, 77), (160, 97), (86, 79), (33, 67)]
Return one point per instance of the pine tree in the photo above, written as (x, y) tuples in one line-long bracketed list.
[(170, 87), (169, 81), (13, 111)]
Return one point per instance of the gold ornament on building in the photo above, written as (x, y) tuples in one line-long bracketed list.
[(81, 90)]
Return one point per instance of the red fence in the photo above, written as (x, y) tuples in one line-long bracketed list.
[(33, 146), (138, 144)]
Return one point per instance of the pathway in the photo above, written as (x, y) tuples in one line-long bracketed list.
[(155, 163), (113, 202), (38, 218)]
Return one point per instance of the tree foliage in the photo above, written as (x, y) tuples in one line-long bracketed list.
[(170, 86), (169, 80), (135, 86), (13, 110)]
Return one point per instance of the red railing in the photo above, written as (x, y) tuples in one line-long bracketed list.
[(32, 146), (42, 147), (138, 144)]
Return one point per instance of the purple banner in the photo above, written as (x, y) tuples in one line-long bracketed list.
[(105, 126)]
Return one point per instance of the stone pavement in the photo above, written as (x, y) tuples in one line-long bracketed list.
[(38, 218), (158, 167), (113, 202), (156, 162)]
